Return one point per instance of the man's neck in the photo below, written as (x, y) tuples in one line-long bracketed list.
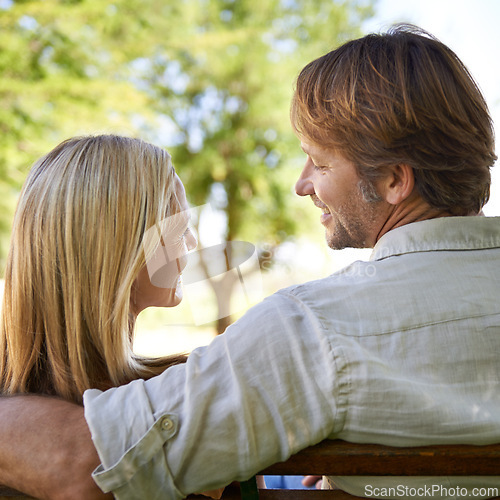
[(413, 209)]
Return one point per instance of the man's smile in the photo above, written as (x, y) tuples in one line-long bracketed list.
[(320, 204)]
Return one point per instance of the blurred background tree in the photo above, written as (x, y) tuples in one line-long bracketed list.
[(211, 80)]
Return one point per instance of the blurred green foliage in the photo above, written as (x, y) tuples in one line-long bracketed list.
[(211, 80)]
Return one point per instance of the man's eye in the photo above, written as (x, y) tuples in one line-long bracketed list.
[(319, 167)]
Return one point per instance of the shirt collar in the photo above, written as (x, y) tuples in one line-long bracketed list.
[(445, 233)]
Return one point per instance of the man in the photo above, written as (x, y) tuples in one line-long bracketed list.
[(400, 350)]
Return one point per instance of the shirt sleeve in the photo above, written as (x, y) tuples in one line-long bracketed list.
[(257, 394)]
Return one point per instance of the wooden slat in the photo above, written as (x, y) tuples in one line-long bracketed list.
[(234, 494), (6, 493), (339, 458), (305, 494), (342, 458)]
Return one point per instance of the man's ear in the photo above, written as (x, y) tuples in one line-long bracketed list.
[(398, 184)]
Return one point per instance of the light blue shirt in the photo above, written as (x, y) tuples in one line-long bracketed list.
[(403, 349)]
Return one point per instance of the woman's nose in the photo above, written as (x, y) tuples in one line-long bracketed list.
[(191, 241)]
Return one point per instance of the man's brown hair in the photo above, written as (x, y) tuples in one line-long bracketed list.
[(401, 97)]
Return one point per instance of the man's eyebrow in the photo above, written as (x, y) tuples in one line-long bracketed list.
[(315, 156)]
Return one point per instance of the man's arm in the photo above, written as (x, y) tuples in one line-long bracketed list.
[(46, 450), (254, 396)]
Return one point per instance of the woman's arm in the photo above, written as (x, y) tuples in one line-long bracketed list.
[(46, 450)]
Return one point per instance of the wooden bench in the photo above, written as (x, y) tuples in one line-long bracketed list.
[(339, 458)]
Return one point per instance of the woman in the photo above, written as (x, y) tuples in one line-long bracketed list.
[(85, 230)]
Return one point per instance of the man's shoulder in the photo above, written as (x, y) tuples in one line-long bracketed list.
[(335, 295), (353, 275)]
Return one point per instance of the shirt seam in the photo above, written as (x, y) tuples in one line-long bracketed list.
[(419, 326), (409, 237), (397, 253), (344, 389), (342, 385)]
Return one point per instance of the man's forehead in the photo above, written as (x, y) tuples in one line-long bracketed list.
[(312, 149), (305, 147)]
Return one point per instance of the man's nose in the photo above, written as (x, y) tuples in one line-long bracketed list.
[(304, 185)]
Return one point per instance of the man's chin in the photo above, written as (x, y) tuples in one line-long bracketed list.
[(342, 246), (337, 246), (336, 240), (341, 240)]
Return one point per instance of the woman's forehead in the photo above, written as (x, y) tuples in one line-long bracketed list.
[(180, 193)]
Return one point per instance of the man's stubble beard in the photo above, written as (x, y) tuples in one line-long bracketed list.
[(354, 221)]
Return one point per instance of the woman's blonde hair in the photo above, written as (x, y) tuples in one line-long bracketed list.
[(76, 249)]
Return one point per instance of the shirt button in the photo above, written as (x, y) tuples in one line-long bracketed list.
[(167, 424)]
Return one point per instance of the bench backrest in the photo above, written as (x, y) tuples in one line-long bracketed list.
[(339, 458)]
